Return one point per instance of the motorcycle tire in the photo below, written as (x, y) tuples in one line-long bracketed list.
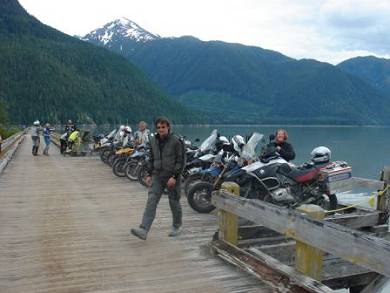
[(141, 171), (199, 197), (118, 168), (190, 180), (331, 204), (110, 159), (132, 170), (104, 155)]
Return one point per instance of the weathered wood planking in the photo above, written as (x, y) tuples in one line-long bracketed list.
[(268, 268), (365, 250), (64, 227)]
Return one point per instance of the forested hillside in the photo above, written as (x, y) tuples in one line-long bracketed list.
[(47, 75)]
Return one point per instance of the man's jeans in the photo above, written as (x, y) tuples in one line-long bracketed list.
[(154, 196)]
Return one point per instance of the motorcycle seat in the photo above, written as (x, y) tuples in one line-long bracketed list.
[(300, 174)]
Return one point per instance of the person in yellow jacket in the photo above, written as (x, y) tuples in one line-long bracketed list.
[(74, 141)]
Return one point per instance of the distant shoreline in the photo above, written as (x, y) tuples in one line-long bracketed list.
[(262, 125)]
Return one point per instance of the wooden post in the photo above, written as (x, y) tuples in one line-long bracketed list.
[(308, 259), (383, 200), (227, 222)]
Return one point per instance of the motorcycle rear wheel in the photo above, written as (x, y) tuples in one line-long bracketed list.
[(330, 203)]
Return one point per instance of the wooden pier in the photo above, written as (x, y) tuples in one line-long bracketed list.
[(64, 227)]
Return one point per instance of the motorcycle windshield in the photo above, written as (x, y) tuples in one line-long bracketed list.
[(249, 149), (111, 134), (209, 142)]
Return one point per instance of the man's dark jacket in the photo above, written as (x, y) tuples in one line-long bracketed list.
[(167, 158)]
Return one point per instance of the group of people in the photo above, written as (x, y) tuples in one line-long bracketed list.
[(70, 137), (165, 165), (165, 168), (124, 134), (36, 131)]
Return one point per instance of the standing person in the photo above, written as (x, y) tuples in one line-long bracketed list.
[(46, 136), (141, 136), (35, 132), (281, 146), (70, 127), (164, 171)]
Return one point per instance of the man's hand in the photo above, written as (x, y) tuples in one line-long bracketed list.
[(171, 182), (148, 181), (278, 148)]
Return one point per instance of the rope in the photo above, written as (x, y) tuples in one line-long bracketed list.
[(371, 201)]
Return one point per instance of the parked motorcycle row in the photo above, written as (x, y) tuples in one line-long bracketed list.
[(256, 167)]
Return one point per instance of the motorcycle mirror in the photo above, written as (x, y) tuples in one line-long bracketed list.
[(271, 137)]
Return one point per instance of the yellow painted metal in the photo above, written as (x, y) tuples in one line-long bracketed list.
[(308, 259), (227, 222)]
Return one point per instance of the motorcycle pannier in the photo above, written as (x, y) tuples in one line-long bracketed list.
[(336, 177)]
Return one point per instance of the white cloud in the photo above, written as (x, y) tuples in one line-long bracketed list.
[(327, 30)]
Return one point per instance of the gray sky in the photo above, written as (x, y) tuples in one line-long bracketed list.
[(326, 30)]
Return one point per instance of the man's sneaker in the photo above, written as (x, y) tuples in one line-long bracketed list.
[(140, 233), (174, 232)]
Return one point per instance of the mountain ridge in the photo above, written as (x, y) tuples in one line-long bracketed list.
[(259, 85)]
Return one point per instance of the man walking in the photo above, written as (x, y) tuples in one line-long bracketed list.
[(164, 171)]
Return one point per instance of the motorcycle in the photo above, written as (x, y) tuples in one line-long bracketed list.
[(229, 160), (274, 180)]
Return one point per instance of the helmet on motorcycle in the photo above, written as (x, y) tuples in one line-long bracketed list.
[(238, 143), (127, 129), (320, 154), (223, 140), (122, 127), (36, 122)]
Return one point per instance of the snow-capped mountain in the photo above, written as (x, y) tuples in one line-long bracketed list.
[(118, 32)]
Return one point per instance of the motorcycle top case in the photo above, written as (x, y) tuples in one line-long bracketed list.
[(336, 177)]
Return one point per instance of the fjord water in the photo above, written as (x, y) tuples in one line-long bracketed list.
[(366, 149)]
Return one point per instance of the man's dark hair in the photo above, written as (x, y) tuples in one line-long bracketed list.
[(163, 120)]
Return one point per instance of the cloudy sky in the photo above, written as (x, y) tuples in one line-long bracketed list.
[(326, 30)]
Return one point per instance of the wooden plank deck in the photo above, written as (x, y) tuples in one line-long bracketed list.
[(64, 227)]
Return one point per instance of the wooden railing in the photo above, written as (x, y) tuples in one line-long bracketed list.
[(313, 235), (8, 149)]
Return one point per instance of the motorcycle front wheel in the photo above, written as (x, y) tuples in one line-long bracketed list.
[(141, 170), (191, 179), (132, 170), (199, 197), (104, 155), (118, 167)]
